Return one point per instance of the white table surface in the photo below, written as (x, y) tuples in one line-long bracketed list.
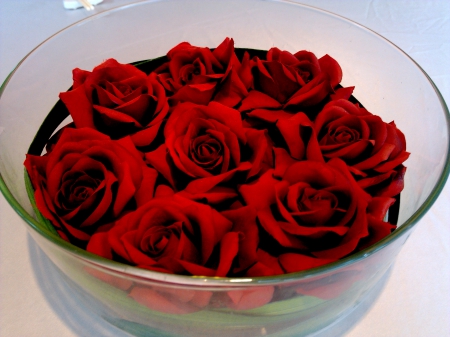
[(415, 298)]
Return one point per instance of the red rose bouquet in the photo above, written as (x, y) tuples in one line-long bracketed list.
[(217, 162)]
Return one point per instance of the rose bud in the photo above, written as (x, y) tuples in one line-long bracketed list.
[(293, 80)]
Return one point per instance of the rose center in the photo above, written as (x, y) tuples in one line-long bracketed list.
[(312, 207), (306, 76), (313, 199), (123, 88), (74, 191), (117, 91), (189, 72), (344, 134), (206, 151), (161, 240)]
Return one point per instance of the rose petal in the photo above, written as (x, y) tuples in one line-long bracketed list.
[(79, 106), (332, 69), (258, 100), (292, 262)]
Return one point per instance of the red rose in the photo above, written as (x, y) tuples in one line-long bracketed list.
[(374, 150), (244, 240), (88, 180), (299, 80), (176, 235), (199, 75), (316, 209), (206, 146), (118, 100)]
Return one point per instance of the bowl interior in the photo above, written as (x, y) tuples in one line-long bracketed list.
[(386, 80)]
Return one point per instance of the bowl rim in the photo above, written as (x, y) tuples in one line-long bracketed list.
[(117, 268)]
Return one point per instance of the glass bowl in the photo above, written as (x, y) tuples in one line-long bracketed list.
[(147, 303)]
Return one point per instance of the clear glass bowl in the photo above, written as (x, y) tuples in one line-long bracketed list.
[(146, 303)]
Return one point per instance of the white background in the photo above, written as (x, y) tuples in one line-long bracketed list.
[(415, 299)]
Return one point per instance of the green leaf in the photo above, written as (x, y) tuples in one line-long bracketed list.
[(289, 306), (138, 330), (46, 224)]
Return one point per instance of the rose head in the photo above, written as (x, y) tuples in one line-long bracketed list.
[(374, 150), (199, 74), (118, 100), (293, 80), (206, 146), (316, 209), (176, 235), (87, 180)]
